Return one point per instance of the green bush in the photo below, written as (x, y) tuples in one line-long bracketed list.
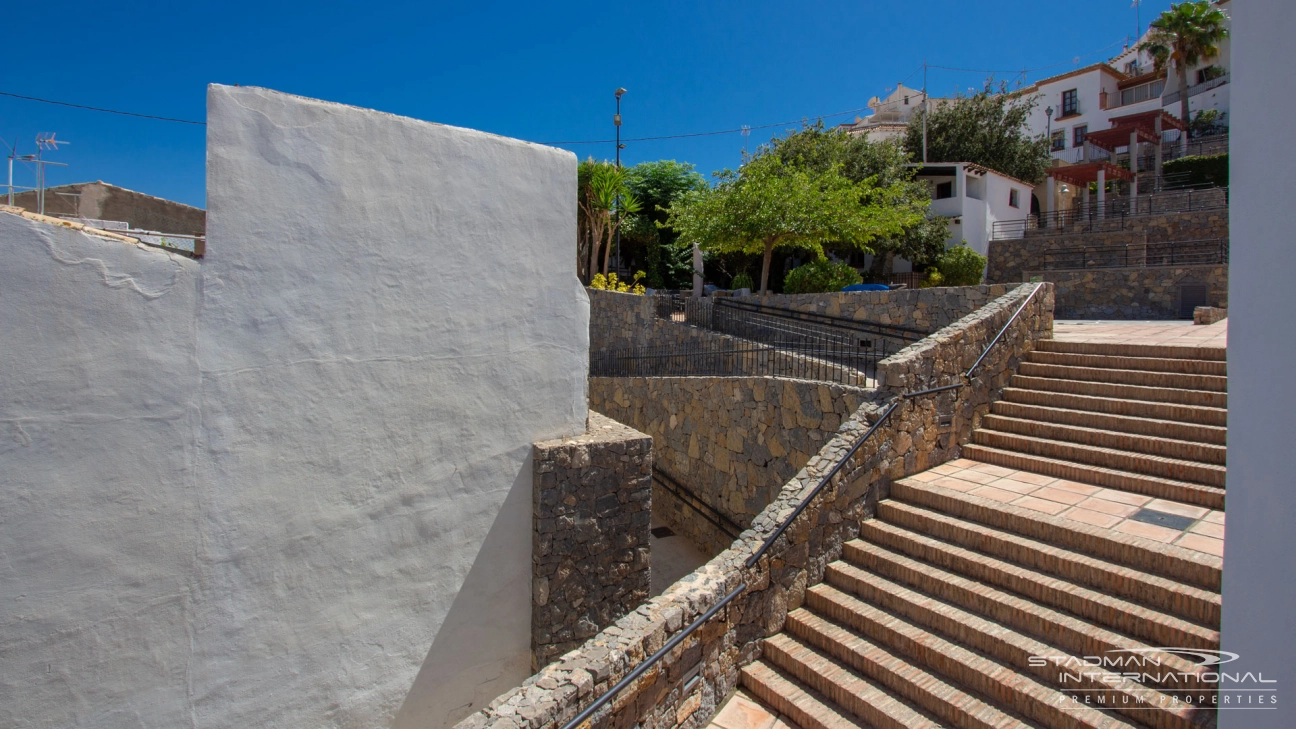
[(1209, 170), (820, 277), (960, 266), (742, 281), (934, 279)]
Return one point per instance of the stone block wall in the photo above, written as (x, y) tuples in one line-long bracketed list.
[(1012, 260), (923, 309), (1132, 293), (733, 441), (664, 696), (591, 514)]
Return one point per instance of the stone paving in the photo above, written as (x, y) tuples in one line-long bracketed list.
[(744, 711), (1168, 333), (1101, 507)]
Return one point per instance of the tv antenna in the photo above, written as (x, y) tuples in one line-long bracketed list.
[(45, 141)]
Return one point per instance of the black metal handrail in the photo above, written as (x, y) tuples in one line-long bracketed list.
[(717, 518), (1136, 255), (670, 645), (1115, 213)]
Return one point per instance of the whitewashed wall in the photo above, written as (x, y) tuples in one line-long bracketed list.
[(320, 512)]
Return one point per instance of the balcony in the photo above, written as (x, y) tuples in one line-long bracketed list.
[(1174, 96)]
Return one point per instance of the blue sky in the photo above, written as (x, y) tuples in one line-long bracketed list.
[(537, 71)]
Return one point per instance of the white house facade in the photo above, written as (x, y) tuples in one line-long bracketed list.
[(974, 198)]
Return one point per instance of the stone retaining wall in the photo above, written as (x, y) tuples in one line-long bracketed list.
[(591, 516), (1132, 293), (777, 582), (733, 441), (1012, 260)]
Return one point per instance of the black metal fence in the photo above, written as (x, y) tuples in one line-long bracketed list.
[(760, 340), (1150, 255), (1114, 214)]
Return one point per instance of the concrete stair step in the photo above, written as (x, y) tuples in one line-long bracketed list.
[(1190, 432), (1006, 644), (1093, 474), (1216, 354), (1144, 444), (1175, 380), (1173, 597), (1186, 566), (1199, 415), (1118, 614), (862, 698), (1149, 364), (808, 709), (1199, 398), (941, 698), (1202, 474)]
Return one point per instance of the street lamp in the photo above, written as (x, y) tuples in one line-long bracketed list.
[(1049, 134), (616, 122)]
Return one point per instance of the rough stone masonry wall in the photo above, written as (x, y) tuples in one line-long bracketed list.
[(1133, 293), (798, 558), (1013, 260), (733, 441), (923, 309), (591, 513)]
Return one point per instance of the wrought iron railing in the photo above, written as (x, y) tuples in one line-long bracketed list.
[(1142, 255), (1115, 213), (752, 561)]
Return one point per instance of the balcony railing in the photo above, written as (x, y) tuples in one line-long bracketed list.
[(1113, 214), (1174, 96), (1142, 255)]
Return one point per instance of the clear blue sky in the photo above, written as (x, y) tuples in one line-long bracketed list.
[(537, 71)]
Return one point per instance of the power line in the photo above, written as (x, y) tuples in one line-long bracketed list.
[(739, 130), (106, 111)]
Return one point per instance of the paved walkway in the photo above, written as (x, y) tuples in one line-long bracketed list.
[(1171, 333), (1200, 529), (744, 711)]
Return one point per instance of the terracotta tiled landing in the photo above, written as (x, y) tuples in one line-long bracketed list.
[(744, 711), (1093, 505), (1166, 333)]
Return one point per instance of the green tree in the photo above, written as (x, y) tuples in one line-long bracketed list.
[(887, 164), (766, 204), (605, 203), (987, 128), (1186, 34), (656, 185), (818, 277)]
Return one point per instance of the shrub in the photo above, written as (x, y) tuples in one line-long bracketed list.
[(961, 266), (1209, 170), (934, 279), (610, 283), (742, 281), (820, 277)]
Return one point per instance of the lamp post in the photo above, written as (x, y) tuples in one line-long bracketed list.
[(1049, 113), (616, 122)]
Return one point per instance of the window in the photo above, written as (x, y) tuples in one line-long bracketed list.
[(1070, 103), (1079, 134), (1014, 199), (1142, 92), (1210, 73), (1058, 141), (1132, 68), (944, 190)]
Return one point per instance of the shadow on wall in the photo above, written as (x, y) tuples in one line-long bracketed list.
[(461, 673)]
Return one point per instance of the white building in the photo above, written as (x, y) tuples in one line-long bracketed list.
[(890, 116), (974, 198)]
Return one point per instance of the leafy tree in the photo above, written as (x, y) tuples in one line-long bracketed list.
[(1186, 34), (886, 163), (605, 202), (656, 185), (987, 128), (820, 277), (766, 204)]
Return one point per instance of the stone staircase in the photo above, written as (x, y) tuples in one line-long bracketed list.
[(955, 610)]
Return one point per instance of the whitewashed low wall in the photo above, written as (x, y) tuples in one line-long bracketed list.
[(289, 485)]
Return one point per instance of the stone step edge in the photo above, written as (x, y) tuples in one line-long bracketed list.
[(1080, 430), (1176, 563), (1100, 372), (1185, 492), (1138, 393), (1186, 414), (793, 700), (1120, 617), (1210, 354), (1142, 464), (1092, 571), (1214, 431), (897, 673), (1144, 364)]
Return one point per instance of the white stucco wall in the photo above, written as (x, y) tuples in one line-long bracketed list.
[(317, 509), (1259, 593)]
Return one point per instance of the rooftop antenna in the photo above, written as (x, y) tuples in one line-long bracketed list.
[(746, 132), (44, 141), (1138, 19)]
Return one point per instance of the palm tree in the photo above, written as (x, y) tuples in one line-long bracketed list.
[(1187, 34), (605, 203)]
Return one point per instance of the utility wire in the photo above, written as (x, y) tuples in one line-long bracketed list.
[(709, 134), (106, 111)]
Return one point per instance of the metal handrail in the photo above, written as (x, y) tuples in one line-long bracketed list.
[(670, 645)]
